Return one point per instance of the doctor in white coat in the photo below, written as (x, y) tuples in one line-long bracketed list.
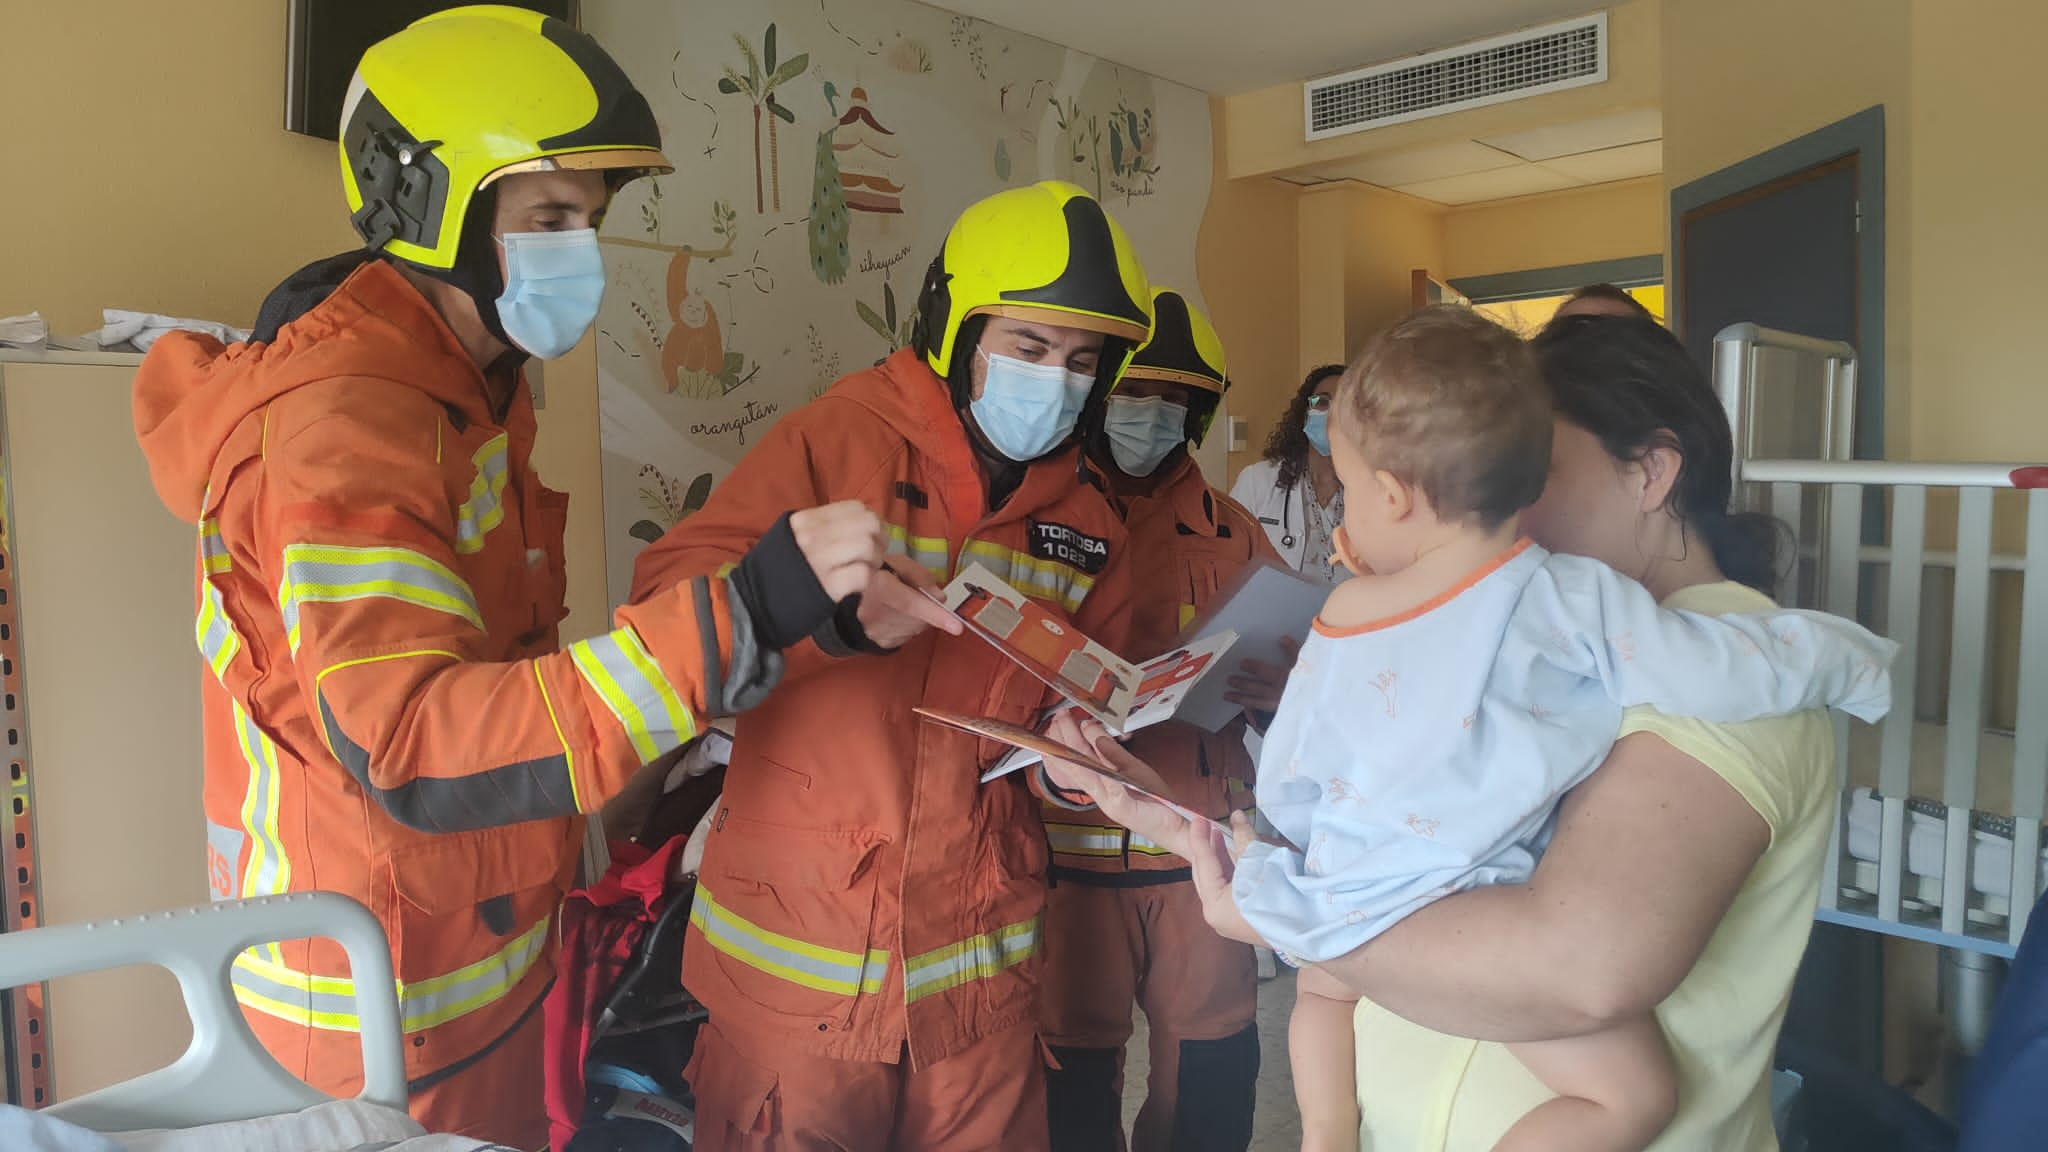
[(1293, 491)]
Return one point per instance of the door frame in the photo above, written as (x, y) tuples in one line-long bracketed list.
[(1862, 135)]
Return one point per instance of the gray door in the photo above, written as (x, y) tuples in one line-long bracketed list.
[(1784, 254)]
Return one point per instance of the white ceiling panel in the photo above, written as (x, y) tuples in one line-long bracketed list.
[(1602, 132), (1497, 184)]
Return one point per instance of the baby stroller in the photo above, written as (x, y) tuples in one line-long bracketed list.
[(620, 1025)]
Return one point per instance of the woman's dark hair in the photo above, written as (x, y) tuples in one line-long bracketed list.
[(1632, 385), (1288, 445), (1615, 295)]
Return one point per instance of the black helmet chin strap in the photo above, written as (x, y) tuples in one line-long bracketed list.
[(476, 271)]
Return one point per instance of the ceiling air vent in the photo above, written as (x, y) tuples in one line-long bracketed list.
[(1526, 63)]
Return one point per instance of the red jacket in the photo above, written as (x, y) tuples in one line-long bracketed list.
[(380, 576), (860, 889), (1187, 542)]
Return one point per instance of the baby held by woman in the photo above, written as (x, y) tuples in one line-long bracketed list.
[(1458, 685)]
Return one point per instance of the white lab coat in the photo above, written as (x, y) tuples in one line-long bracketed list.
[(1283, 513)]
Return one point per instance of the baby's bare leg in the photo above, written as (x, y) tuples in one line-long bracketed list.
[(1324, 1057), (1616, 1091)]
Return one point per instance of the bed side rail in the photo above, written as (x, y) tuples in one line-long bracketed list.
[(1863, 529), (224, 1074)]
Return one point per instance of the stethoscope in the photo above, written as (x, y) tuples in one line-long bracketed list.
[(1286, 516)]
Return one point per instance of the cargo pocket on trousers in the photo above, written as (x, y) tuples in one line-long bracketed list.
[(787, 913), (472, 918), (731, 1091)]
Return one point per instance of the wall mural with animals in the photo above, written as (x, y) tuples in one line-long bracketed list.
[(822, 147)]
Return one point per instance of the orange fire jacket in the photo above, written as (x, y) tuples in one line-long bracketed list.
[(1187, 542), (380, 576), (860, 890)]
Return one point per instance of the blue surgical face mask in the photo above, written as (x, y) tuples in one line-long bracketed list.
[(1026, 409), (1317, 426), (553, 282), (1144, 431)]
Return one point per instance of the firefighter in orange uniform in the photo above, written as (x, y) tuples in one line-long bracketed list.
[(866, 929), (1123, 921), (380, 572)]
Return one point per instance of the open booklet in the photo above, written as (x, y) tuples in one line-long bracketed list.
[(1264, 603), (1090, 676), (1041, 746), (1164, 685)]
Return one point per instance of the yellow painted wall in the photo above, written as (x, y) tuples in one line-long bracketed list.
[(147, 168), (1578, 226), (185, 195), (1264, 127), (111, 688), (1974, 296), (1387, 236), (1743, 76), (1246, 260)]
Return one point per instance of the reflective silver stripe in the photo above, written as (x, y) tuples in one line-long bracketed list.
[(484, 510), (1085, 839), (975, 958), (1046, 579), (215, 632), (328, 1002), (426, 1003), (618, 667), (289, 999), (809, 965), (332, 573), (223, 852), (930, 552), (269, 871), (1148, 847), (213, 551)]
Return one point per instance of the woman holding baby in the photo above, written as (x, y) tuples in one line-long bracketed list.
[(1604, 970)]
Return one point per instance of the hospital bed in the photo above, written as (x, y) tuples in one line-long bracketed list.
[(225, 1094), (1939, 832)]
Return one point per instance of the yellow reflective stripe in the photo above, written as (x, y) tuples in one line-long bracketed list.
[(1049, 579), (808, 965), (335, 574), (328, 1002), (1187, 614), (485, 508), (1147, 847), (930, 552), (568, 757), (1085, 839), (215, 632), (212, 549), (269, 871), (618, 667), (975, 958)]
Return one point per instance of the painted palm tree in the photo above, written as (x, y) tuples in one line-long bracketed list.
[(758, 84)]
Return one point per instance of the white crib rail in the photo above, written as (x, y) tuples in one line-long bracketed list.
[(1843, 558)]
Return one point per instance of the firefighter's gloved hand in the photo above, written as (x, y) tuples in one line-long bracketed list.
[(844, 544), (781, 581)]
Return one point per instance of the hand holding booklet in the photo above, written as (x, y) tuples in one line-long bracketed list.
[(1042, 746), (1122, 696)]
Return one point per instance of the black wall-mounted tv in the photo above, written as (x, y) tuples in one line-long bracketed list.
[(327, 37)]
